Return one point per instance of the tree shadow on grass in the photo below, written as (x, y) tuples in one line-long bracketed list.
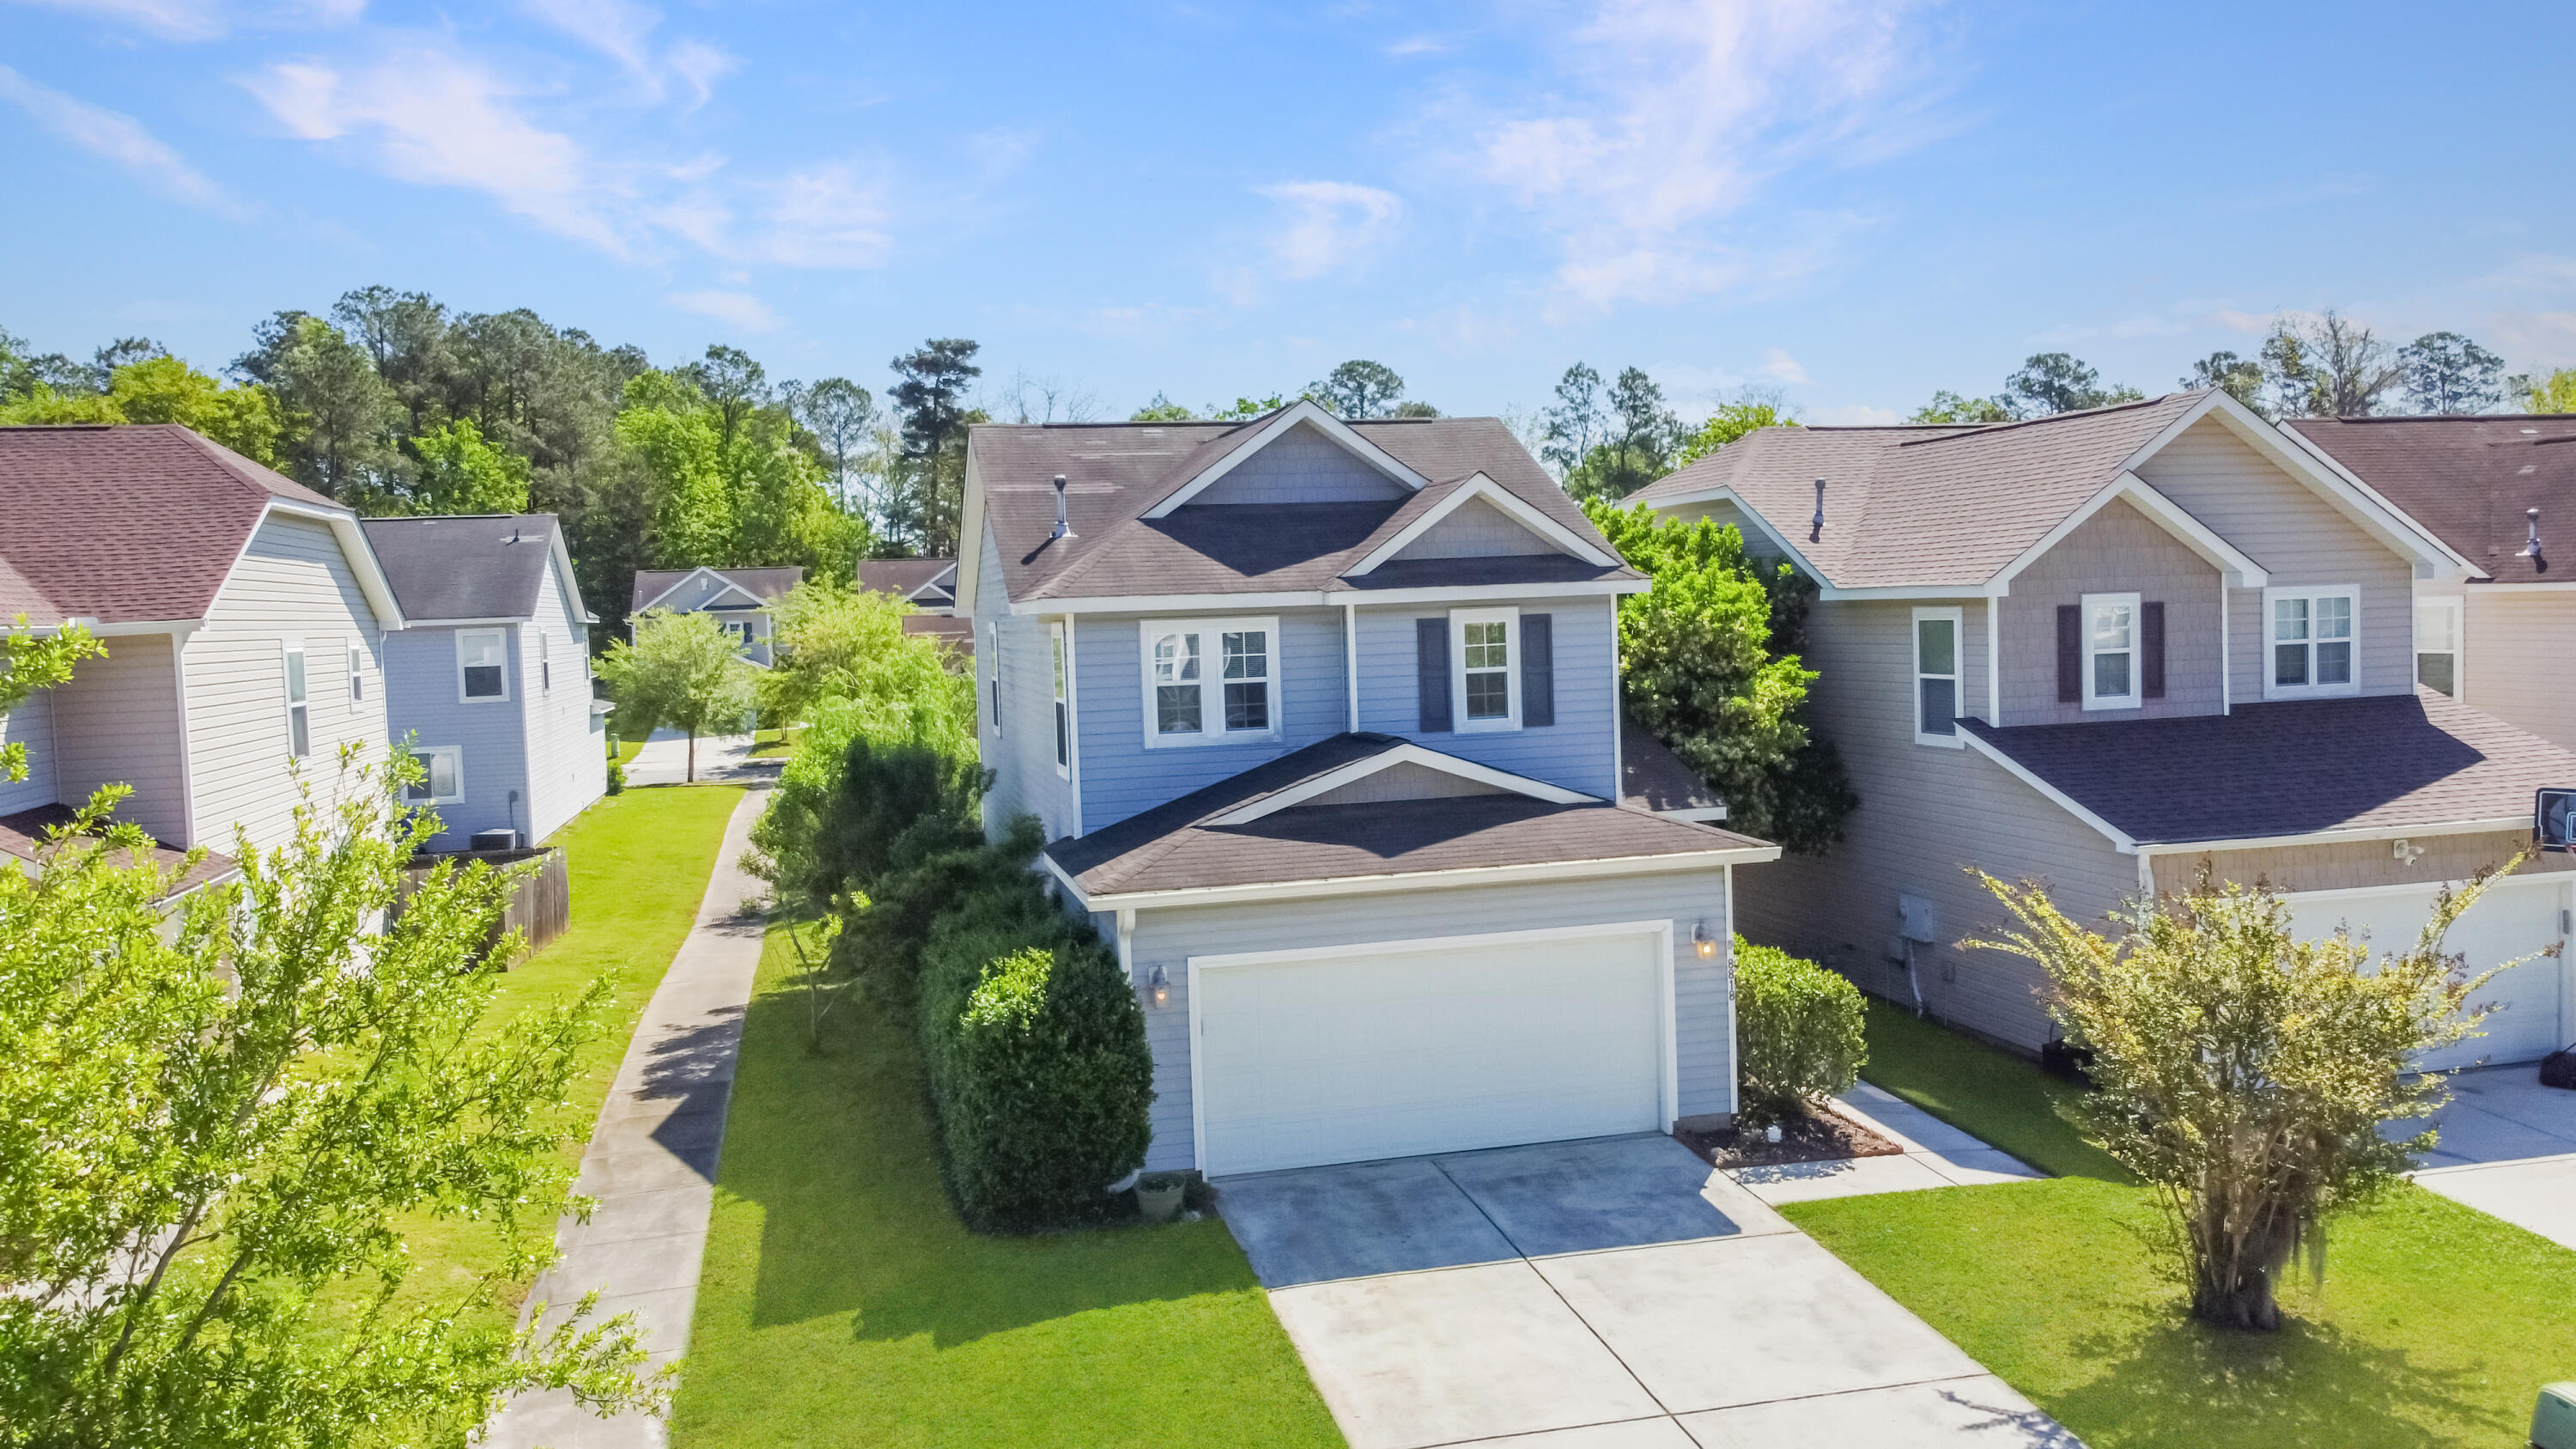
[(835, 1149)]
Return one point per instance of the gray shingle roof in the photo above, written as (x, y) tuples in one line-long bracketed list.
[(2388, 761), (767, 585), (1179, 846), (905, 577), (2469, 479), (1926, 505), (1115, 472), (472, 566), (1652, 777)]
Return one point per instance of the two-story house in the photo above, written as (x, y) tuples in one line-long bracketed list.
[(2109, 650), (2495, 488), (929, 585), (741, 600), (491, 680), (1322, 721), (244, 619)]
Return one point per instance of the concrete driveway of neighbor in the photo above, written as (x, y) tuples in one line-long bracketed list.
[(664, 759), (2508, 1148), (1613, 1293)]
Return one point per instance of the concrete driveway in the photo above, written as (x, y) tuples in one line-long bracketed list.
[(2508, 1148), (1605, 1294)]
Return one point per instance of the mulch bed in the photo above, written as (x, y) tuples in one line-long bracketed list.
[(1818, 1137)]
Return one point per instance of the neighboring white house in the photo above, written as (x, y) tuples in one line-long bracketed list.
[(740, 600), (244, 619)]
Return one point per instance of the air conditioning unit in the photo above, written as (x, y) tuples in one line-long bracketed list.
[(2553, 1420), (493, 840)]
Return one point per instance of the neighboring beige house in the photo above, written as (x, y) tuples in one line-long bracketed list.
[(2106, 651), (739, 599), (930, 586), (2496, 489), (244, 619)]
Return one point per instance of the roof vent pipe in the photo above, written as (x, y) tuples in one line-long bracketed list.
[(2532, 549), (1062, 528), (1816, 525)]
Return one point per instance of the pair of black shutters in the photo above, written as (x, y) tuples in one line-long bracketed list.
[(1534, 653), (2070, 651)]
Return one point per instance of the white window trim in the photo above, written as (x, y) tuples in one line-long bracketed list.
[(2454, 605), (2136, 697), (455, 773), (2313, 690), (504, 696), (1212, 730), (294, 649), (1059, 666), (1514, 641), (1958, 677)]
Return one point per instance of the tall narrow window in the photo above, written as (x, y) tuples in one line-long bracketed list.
[(545, 661), (1063, 719), (1208, 681), (2312, 633), (2437, 644), (482, 664), (1488, 687), (2111, 651), (357, 672), (993, 647), (299, 706), (1247, 679), (1936, 676), (1176, 683)]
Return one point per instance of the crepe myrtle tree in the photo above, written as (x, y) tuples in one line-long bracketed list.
[(2244, 1074), (684, 671), (220, 1117), (30, 661)]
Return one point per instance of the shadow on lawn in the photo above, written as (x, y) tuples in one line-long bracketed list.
[(836, 1151)]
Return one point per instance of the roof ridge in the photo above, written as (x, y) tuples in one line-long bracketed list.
[(1980, 430)]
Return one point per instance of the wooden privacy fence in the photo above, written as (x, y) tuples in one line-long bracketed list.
[(540, 908)]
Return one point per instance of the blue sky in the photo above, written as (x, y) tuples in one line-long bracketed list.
[(1856, 200)]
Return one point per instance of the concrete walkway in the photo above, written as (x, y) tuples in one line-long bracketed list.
[(2508, 1148), (1936, 1155), (651, 1162), (664, 760)]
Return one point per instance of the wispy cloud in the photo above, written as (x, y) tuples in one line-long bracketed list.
[(623, 31), (734, 309), (1330, 225), (195, 20), (1779, 366), (119, 140)]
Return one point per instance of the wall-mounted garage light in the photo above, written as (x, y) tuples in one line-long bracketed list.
[(1701, 940), (1160, 986)]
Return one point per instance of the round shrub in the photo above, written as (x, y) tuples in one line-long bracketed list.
[(1797, 1030)]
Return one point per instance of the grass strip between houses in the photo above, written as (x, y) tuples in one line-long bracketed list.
[(2436, 1324), (843, 1303)]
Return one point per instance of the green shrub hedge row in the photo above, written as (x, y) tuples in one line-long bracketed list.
[(1798, 1030)]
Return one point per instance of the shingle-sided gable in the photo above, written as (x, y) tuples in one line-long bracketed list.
[(1302, 465)]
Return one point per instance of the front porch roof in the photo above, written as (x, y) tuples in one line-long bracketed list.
[(24, 835), (2368, 768)]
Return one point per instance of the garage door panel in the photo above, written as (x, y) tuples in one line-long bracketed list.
[(1348, 1057), (2512, 920)]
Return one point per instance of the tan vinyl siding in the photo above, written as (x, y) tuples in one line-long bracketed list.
[(2356, 864), (116, 721), (1927, 813), (2117, 551), (292, 583), (2518, 660), (2299, 539)]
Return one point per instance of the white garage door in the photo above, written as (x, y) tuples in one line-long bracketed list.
[(2513, 919), (1395, 1050)]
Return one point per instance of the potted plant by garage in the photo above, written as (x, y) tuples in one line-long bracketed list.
[(1158, 1196)]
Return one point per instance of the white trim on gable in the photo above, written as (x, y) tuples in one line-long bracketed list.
[(754, 600), (1303, 410), (1406, 754), (2242, 572), (1512, 505), (1364, 598), (354, 549)]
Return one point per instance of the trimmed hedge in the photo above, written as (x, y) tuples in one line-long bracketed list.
[(1798, 1030)]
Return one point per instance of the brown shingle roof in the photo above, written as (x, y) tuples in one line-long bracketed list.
[(1927, 505), (2469, 479), (767, 585), (1179, 846), (1115, 472), (125, 524), (903, 577), (24, 836), (2390, 761), (1652, 777)]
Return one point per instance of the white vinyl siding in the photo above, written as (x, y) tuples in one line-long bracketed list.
[(299, 700), (2515, 661), (116, 721), (567, 764), (31, 725)]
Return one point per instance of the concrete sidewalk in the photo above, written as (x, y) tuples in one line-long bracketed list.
[(664, 760), (651, 1162), (2508, 1148), (1936, 1155)]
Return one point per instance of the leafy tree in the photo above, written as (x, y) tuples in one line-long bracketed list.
[(930, 392), (461, 473), (2244, 1074), (2555, 393), (1245, 409), (684, 671), (1642, 434), (1949, 407), (2049, 383), (1576, 424), (672, 437), (122, 353), (339, 415), (1703, 669), (2445, 372), (1414, 409), (406, 336), (1161, 410), (843, 419), (733, 384), (215, 1123), (1731, 421), (2239, 377), (1359, 388), (23, 370), (2327, 366), (163, 389), (30, 661)]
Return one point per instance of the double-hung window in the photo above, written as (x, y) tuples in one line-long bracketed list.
[(2111, 656), (1063, 716), (545, 662), (357, 671), (299, 703), (2311, 633), (1211, 680), (2437, 644), (482, 664), (1936, 676), (1486, 686), (442, 776)]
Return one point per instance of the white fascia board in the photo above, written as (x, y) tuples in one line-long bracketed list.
[(2119, 839), (2242, 572), (970, 534), (467, 623), (1725, 493), (178, 628), (1407, 754), (1513, 506), (1830, 594), (2492, 586), (352, 537), (1701, 815), (1459, 879), (1303, 410), (1472, 594), (1364, 598), (2334, 837), (565, 579)]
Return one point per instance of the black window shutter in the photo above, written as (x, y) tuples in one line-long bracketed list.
[(2151, 649), (1538, 670), (2070, 653), (1431, 657)]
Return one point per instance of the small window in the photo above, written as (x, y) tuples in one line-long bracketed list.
[(2437, 644), (482, 664), (2312, 632), (545, 661), (993, 647), (2111, 651), (442, 776), (1486, 681), (299, 705), (1063, 719), (1936, 676), (1240, 657), (357, 673)]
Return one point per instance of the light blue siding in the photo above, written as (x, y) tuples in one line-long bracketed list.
[(1122, 776), (1578, 751), (1301, 466), (421, 700)]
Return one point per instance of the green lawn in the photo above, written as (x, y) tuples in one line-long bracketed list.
[(843, 1304), (626, 751), (2435, 1324)]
